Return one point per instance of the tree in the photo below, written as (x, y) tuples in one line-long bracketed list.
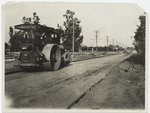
[(84, 48), (6, 47), (15, 41), (15, 37), (10, 31), (67, 33), (139, 38), (110, 47)]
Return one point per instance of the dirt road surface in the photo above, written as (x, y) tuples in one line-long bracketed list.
[(57, 89)]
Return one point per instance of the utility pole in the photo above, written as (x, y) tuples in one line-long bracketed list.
[(73, 38), (107, 42), (113, 44), (72, 13), (96, 31), (120, 45), (116, 46)]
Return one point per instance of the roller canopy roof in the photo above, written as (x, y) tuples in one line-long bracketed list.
[(37, 27)]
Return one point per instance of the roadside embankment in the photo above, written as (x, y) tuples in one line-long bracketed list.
[(122, 88)]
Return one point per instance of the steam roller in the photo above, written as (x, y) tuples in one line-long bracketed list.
[(41, 47)]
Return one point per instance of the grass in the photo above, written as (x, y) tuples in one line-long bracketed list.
[(137, 58)]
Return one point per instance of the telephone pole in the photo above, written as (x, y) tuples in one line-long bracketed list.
[(107, 42), (73, 37), (113, 44), (96, 31), (72, 13), (116, 43)]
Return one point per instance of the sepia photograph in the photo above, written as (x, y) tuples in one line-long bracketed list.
[(74, 56)]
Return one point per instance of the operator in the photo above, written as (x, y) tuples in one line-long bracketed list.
[(42, 40)]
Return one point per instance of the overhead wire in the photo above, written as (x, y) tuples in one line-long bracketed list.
[(62, 24)]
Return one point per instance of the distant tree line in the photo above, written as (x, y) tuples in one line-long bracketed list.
[(100, 48)]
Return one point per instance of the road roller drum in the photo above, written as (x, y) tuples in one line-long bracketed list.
[(52, 55)]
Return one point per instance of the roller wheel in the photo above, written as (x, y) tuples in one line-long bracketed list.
[(66, 58), (53, 57)]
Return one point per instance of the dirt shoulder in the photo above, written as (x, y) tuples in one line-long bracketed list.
[(122, 88)]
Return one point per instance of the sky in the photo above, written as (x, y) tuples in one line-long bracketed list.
[(118, 21)]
